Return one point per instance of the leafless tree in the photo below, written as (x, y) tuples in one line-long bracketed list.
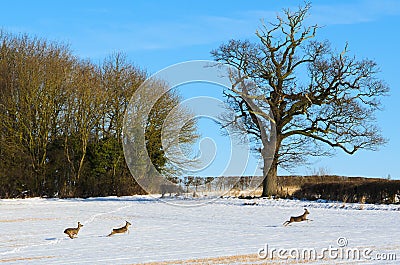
[(297, 96)]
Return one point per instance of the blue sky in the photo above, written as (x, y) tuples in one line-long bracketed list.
[(156, 34)]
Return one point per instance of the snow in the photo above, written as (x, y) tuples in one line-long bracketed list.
[(177, 229)]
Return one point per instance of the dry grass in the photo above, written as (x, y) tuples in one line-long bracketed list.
[(26, 259), (249, 259)]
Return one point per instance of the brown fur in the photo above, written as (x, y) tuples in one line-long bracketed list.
[(121, 229), (73, 232), (300, 218)]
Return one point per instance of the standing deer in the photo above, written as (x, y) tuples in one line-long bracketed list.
[(121, 229), (300, 218), (73, 232)]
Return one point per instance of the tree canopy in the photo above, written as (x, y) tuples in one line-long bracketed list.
[(296, 96)]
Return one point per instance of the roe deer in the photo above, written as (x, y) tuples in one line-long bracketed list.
[(121, 229), (73, 232), (300, 218)]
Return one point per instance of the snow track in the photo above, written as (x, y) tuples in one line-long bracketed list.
[(32, 230)]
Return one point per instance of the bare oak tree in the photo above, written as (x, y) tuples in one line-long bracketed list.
[(306, 97)]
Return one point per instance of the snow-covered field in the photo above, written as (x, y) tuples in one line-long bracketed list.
[(31, 231)]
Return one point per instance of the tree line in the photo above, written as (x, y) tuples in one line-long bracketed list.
[(61, 121), (62, 118)]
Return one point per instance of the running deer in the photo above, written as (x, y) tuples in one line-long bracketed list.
[(73, 232), (300, 218), (121, 229)]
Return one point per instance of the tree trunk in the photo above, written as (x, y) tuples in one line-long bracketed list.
[(270, 186)]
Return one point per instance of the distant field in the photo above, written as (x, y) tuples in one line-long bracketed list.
[(326, 187)]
